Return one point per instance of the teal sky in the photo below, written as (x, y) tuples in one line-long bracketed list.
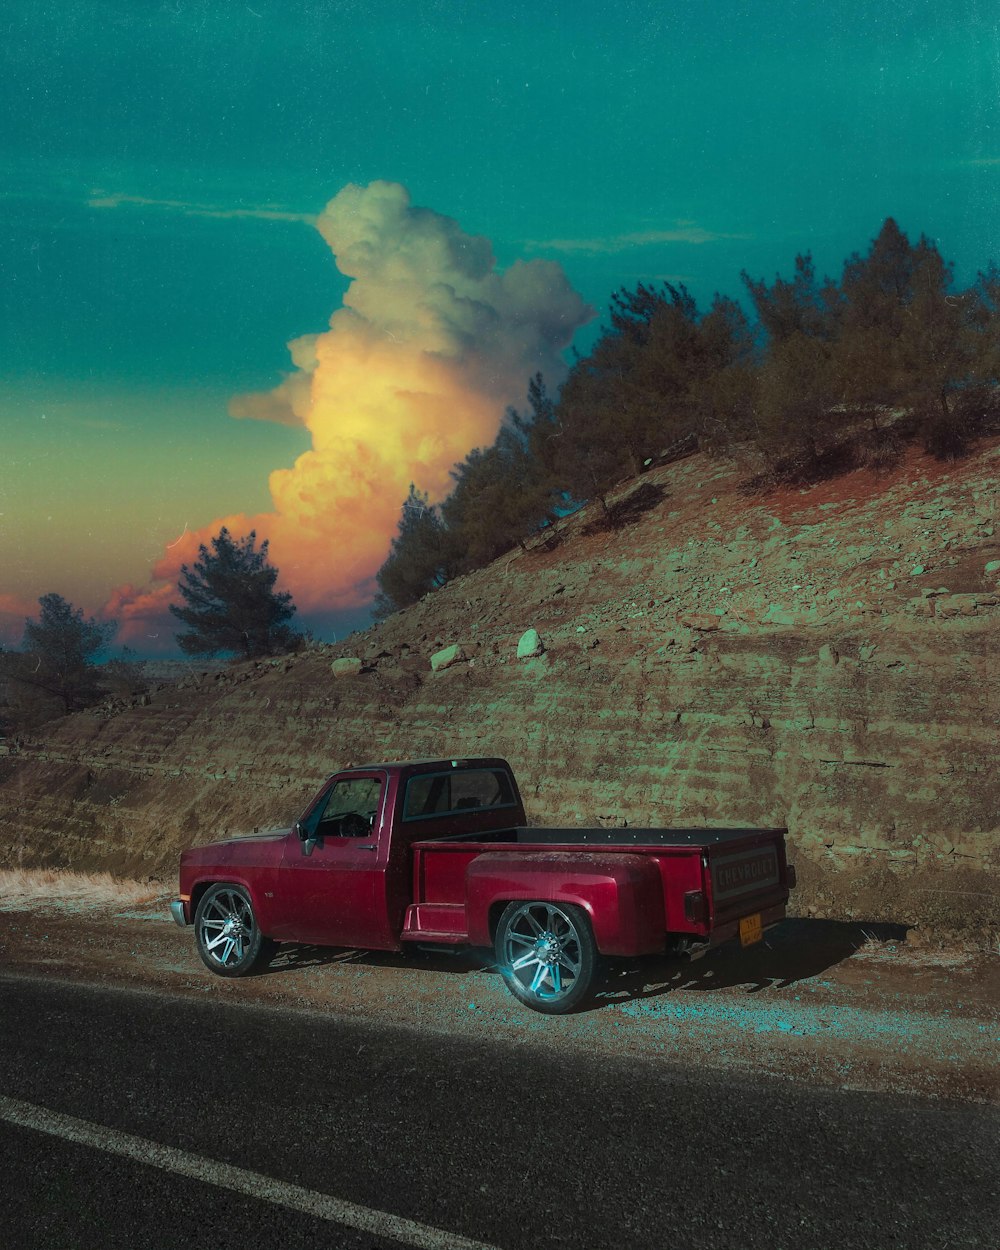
[(159, 162)]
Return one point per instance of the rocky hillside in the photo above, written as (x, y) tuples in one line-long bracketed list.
[(823, 658)]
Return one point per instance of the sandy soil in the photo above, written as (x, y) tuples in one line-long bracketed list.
[(841, 1004)]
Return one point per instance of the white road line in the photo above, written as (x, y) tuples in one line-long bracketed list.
[(225, 1176)]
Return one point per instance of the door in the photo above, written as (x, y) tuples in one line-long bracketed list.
[(330, 884)]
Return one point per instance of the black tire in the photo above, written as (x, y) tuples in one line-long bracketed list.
[(555, 969), (227, 934)]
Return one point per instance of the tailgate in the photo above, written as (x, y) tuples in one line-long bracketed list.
[(747, 881)]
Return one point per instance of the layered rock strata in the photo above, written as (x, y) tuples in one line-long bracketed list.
[(825, 659)]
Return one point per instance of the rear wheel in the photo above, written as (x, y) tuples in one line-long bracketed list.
[(546, 954), (229, 939)]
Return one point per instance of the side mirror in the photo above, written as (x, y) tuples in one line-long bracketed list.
[(309, 840)]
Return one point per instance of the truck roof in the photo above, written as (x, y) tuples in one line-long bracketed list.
[(404, 767)]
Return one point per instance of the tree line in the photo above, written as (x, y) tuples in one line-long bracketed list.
[(826, 375), (829, 374), (229, 604)]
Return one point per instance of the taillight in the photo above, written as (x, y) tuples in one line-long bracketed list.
[(694, 906), (790, 876)]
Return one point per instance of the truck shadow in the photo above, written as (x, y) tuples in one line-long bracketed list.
[(792, 951), (292, 956)]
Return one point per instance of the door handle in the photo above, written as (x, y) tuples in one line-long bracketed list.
[(368, 846)]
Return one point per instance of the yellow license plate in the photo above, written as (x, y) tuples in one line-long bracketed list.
[(751, 930)]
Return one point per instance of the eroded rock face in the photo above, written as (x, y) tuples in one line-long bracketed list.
[(765, 661)]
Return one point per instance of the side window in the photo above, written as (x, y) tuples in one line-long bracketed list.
[(439, 794), (349, 809)]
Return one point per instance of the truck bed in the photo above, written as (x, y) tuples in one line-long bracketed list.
[(700, 882)]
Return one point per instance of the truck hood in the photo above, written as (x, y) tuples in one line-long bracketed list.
[(264, 835), (252, 848)]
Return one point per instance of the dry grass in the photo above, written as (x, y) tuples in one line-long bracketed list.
[(33, 888), (941, 954)]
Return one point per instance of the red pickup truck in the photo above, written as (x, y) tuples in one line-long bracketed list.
[(438, 852)]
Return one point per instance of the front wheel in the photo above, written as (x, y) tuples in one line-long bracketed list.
[(229, 939), (546, 954)]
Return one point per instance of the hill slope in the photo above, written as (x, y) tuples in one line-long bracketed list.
[(825, 658)]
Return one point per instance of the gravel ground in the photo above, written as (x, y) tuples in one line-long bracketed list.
[(845, 1005)]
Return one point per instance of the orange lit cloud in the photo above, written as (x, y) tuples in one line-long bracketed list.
[(417, 368), (142, 615)]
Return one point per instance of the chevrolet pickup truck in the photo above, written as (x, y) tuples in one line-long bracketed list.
[(437, 852)]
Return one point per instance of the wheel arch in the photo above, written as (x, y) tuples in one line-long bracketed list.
[(499, 905), (621, 895), (200, 888), (198, 891)]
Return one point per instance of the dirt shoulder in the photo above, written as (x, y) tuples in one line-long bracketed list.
[(845, 1005)]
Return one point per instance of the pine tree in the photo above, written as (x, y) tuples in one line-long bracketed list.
[(58, 652), (420, 559), (499, 498), (987, 324), (805, 306), (544, 438), (647, 385), (795, 395), (724, 395), (911, 342), (599, 447), (231, 603)]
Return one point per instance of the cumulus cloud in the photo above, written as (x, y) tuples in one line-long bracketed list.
[(416, 368)]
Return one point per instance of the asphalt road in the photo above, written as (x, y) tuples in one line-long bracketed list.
[(133, 1118)]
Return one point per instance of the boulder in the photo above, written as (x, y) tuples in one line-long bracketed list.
[(529, 645), (446, 657), (346, 666), (957, 605)]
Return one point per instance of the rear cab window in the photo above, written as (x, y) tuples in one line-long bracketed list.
[(459, 790)]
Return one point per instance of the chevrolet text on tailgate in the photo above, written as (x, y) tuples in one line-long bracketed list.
[(437, 852)]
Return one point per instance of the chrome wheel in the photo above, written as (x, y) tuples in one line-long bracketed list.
[(546, 955), (226, 927), (229, 939)]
